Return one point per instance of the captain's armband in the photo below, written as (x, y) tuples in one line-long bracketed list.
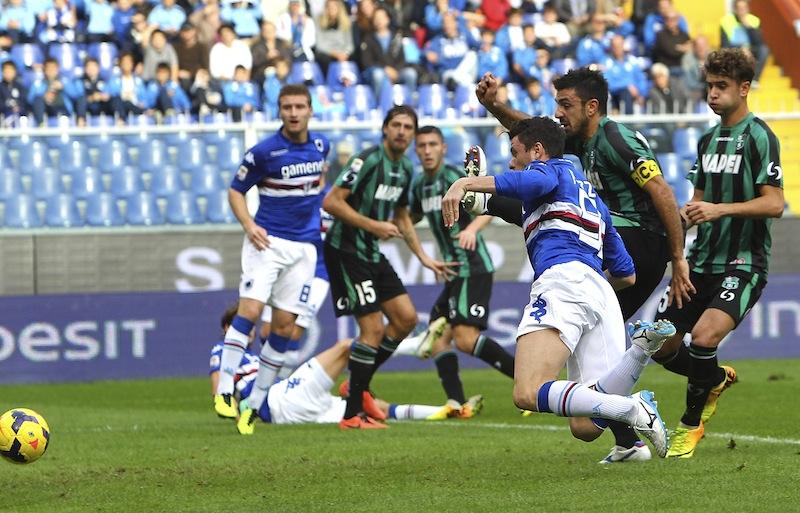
[(645, 171)]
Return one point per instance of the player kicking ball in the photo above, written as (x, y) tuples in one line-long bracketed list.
[(573, 317)]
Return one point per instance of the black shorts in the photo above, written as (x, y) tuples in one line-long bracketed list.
[(465, 301), (650, 254), (734, 293), (359, 287)]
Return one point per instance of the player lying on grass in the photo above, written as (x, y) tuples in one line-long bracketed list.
[(573, 317), (304, 397)]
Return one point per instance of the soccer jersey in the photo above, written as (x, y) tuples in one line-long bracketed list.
[(245, 373), (377, 186), (732, 163), (426, 199), (563, 219), (619, 162), (288, 177)]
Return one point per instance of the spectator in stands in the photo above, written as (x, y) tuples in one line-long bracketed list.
[(323, 104), (524, 60), (206, 94), (535, 101), (192, 55), (692, 66), (593, 48), (365, 9), (121, 20), (575, 14), (496, 13), (59, 23), (207, 21), (667, 95), (344, 150), (228, 53), (626, 80), (95, 90), (164, 94), (334, 37), (12, 93), (128, 91), (157, 52), (654, 22), (100, 27), (451, 56), (267, 50), (382, 58), (741, 29), (298, 29), (510, 37), (47, 95), (275, 79), (553, 33), (671, 43), (244, 15), (240, 95), (491, 59), (17, 21), (546, 74), (403, 14), (434, 16), (139, 36), (613, 15), (167, 17)]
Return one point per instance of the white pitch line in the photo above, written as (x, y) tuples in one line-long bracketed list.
[(545, 427)]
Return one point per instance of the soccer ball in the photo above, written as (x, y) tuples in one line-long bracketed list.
[(24, 435)]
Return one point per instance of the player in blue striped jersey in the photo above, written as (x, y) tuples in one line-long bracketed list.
[(278, 253), (573, 317)]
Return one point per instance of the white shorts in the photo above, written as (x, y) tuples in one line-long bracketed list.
[(318, 291), (304, 397), (276, 276), (580, 303)]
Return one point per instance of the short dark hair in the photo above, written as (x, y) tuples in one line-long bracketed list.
[(588, 84), (430, 129), (11, 64), (398, 110), (228, 315), (226, 26), (50, 60), (238, 67), (294, 90), (540, 129), (733, 63), (90, 59), (164, 66)]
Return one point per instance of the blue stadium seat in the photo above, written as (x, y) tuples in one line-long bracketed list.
[(457, 145), (433, 101), (46, 183), (359, 101), (112, 156), (498, 152), (684, 141), (102, 210), (658, 139), (33, 155), (143, 210), (106, 55), (126, 181), (62, 211), (73, 156), (86, 182), (21, 212), (467, 104), (561, 66), (397, 94), (229, 155), (182, 209), (306, 72), (191, 154), (25, 55), (671, 167), (683, 191), (67, 56), (206, 180), (166, 181), (335, 71), (152, 155), (10, 183), (218, 210)]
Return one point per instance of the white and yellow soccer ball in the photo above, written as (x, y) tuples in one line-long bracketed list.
[(24, 435)]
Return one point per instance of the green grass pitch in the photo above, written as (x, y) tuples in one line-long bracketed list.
[(156, 446)]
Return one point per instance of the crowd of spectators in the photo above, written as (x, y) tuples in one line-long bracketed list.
[(118, 58)]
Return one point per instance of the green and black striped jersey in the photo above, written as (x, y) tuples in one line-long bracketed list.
[(426, 199), (619, 162), (732, 162), (377, 186)]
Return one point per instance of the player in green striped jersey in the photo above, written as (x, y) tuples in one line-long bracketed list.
[(464, 302), (370, 203), (738, 188)]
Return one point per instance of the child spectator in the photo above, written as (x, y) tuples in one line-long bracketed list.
[(12, 93), (206, 94), (165, 95), (240, 95), (47, 95), (535, 101), (128, 91), (275, 79), (95, 90)]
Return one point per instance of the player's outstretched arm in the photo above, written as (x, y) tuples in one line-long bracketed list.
[(256, 234), (335, 203), (451, 202), (402, 219), (486, 91)]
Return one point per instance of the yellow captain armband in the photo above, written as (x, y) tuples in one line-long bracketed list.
[(645, 171)]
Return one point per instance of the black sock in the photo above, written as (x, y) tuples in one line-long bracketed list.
[(385, 350), (447, 367), (677, 362), (703, 375), (624, 435), (361, 366), (492, 353)]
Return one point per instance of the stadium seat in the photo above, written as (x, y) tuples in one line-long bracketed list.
[(143, 210), (46, 183), (671, 165), (218, 210), (230, 154), (205, 180), (166, 181), (152, 155), (433, 101), (86, 182), (498, 152), (397, 94), (67, 56), (191, 154), (112, 156), (306, 72), (457, 145), (658, 139), (21, 212), (466, 103), (32, 155), (182, 209), (25, 55), (684, 141), (126, 181), (102, 210), (561, 66), (61, 211), (106, 55), (10, 183), (683, 191), (73, 156), (359, 101), (514, 92), (336, 71)]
